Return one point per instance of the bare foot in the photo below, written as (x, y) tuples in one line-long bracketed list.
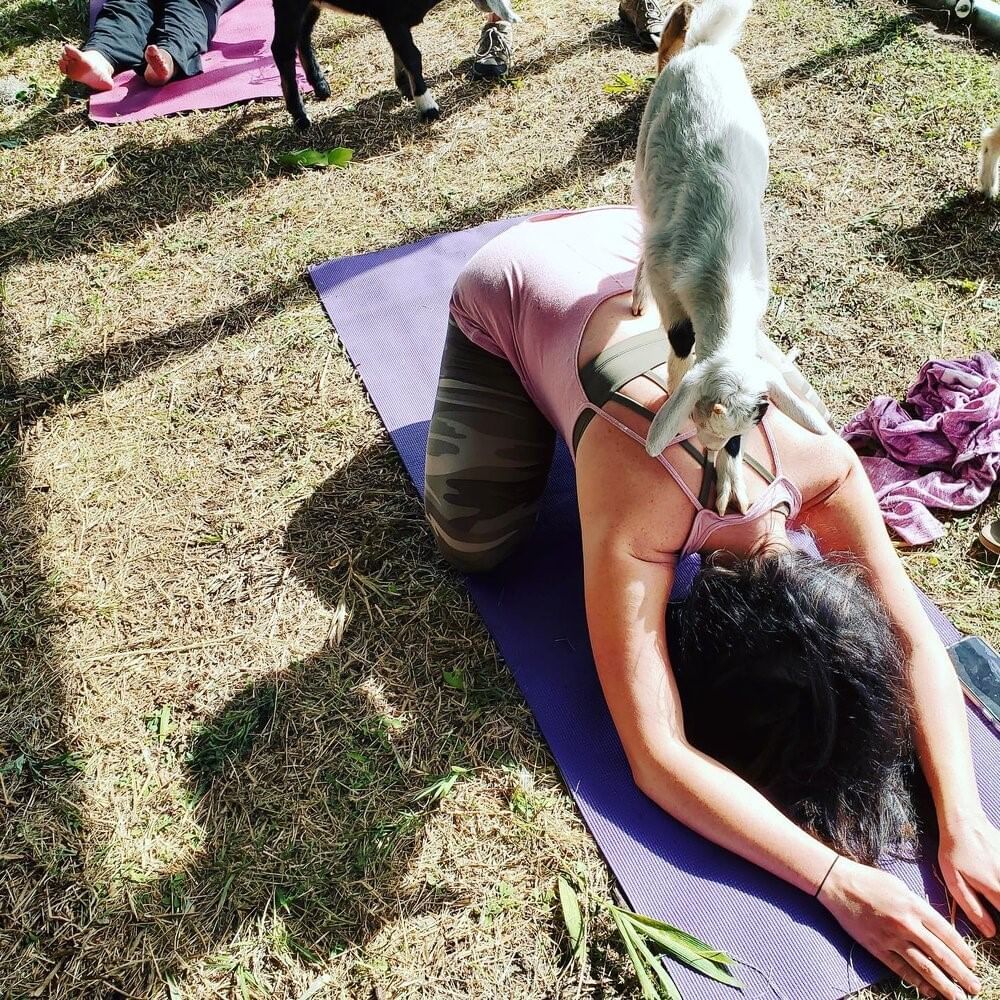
[(88, 67), (160, 67)]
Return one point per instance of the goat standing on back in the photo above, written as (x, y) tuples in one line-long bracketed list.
[(294, 21), (701, 170)]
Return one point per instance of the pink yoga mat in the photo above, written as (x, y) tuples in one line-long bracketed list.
[(237, 67)]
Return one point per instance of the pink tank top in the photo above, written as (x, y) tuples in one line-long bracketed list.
[(527, 296)]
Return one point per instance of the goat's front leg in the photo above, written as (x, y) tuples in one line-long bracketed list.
[(729, 481), (307, 55), (409, 68), (288, 17), (681, 355)]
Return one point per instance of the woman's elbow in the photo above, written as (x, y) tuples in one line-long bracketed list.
[(659, 774)]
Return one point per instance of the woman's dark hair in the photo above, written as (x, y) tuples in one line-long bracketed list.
[(790, 673)]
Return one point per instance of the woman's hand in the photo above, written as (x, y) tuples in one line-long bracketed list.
[(900, 930), (970, 864)]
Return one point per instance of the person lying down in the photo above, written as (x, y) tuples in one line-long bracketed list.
[(788, 707), (162, 39)]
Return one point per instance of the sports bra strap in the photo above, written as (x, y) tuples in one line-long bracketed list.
[(602, 379), (621, 363)]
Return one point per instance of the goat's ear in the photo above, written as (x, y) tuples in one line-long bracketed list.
[(674, 31), (795, 407), (673, 413)]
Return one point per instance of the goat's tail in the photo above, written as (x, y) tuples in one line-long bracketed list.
[(716, 22)]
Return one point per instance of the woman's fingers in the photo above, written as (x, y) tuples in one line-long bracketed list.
[(953, 964), (908, 974), (972, 906), (927, 970), (942, 930)]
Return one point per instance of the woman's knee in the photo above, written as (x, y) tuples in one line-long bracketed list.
[(467, 555)]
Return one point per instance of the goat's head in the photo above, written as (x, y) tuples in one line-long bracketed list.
[(725, 398)]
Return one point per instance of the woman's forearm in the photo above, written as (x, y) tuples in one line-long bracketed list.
[(941, 734), (710, 799)]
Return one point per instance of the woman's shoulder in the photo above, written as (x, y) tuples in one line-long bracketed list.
[(815, 463)]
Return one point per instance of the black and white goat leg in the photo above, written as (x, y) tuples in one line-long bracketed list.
[(407, 57), (729, 482), (673, 317), (288, 19), (307, 55)]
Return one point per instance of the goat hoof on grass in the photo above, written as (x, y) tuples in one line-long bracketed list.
[(321, 90), (430, 114), (302, 123)]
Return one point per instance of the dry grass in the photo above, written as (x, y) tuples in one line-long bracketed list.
[(201, 513)]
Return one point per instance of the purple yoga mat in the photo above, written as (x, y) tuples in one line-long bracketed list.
[(237, 67), (390, 309)]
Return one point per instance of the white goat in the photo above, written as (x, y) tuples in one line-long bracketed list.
[(989, 162), (701, 170)]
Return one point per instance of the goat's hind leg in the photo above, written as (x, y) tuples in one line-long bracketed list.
[(409, 69), (288, 20), (673, 318), (989, 163), (641, 295), (307, 55), (729, 481)]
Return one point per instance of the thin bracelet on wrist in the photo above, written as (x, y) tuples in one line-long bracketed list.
[(826, 876)]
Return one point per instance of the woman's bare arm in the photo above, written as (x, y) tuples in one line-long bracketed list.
[(849, 523), (626, 601)]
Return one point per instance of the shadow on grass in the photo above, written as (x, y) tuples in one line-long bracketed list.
[(305, 786), (49, 908), (308, 784), (815, 66), (959, 238), (158, 186), (42, 886), (33, 20)]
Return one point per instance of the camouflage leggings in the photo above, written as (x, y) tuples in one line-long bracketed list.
[(488, 457)]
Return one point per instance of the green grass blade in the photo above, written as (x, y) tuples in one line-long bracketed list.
[(649, 990), (686, 948), (572, 917), (667, 985)]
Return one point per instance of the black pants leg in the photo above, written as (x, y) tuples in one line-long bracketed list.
[(184, 28), (121, 32)]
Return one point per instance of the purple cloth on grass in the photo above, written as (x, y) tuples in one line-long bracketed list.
[(390, 310), (939, 449), (237, 67)]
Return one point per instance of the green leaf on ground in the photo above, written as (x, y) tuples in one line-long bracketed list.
[(573, 918), (626, 83), (454, 679), (649, 990), (337, 157), (441, 786)]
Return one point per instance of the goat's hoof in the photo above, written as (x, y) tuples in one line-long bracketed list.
[(321, 90), (430, 114), (302, 123)]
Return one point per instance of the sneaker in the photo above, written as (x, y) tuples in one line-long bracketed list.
[(495, 50), (645, 18)]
